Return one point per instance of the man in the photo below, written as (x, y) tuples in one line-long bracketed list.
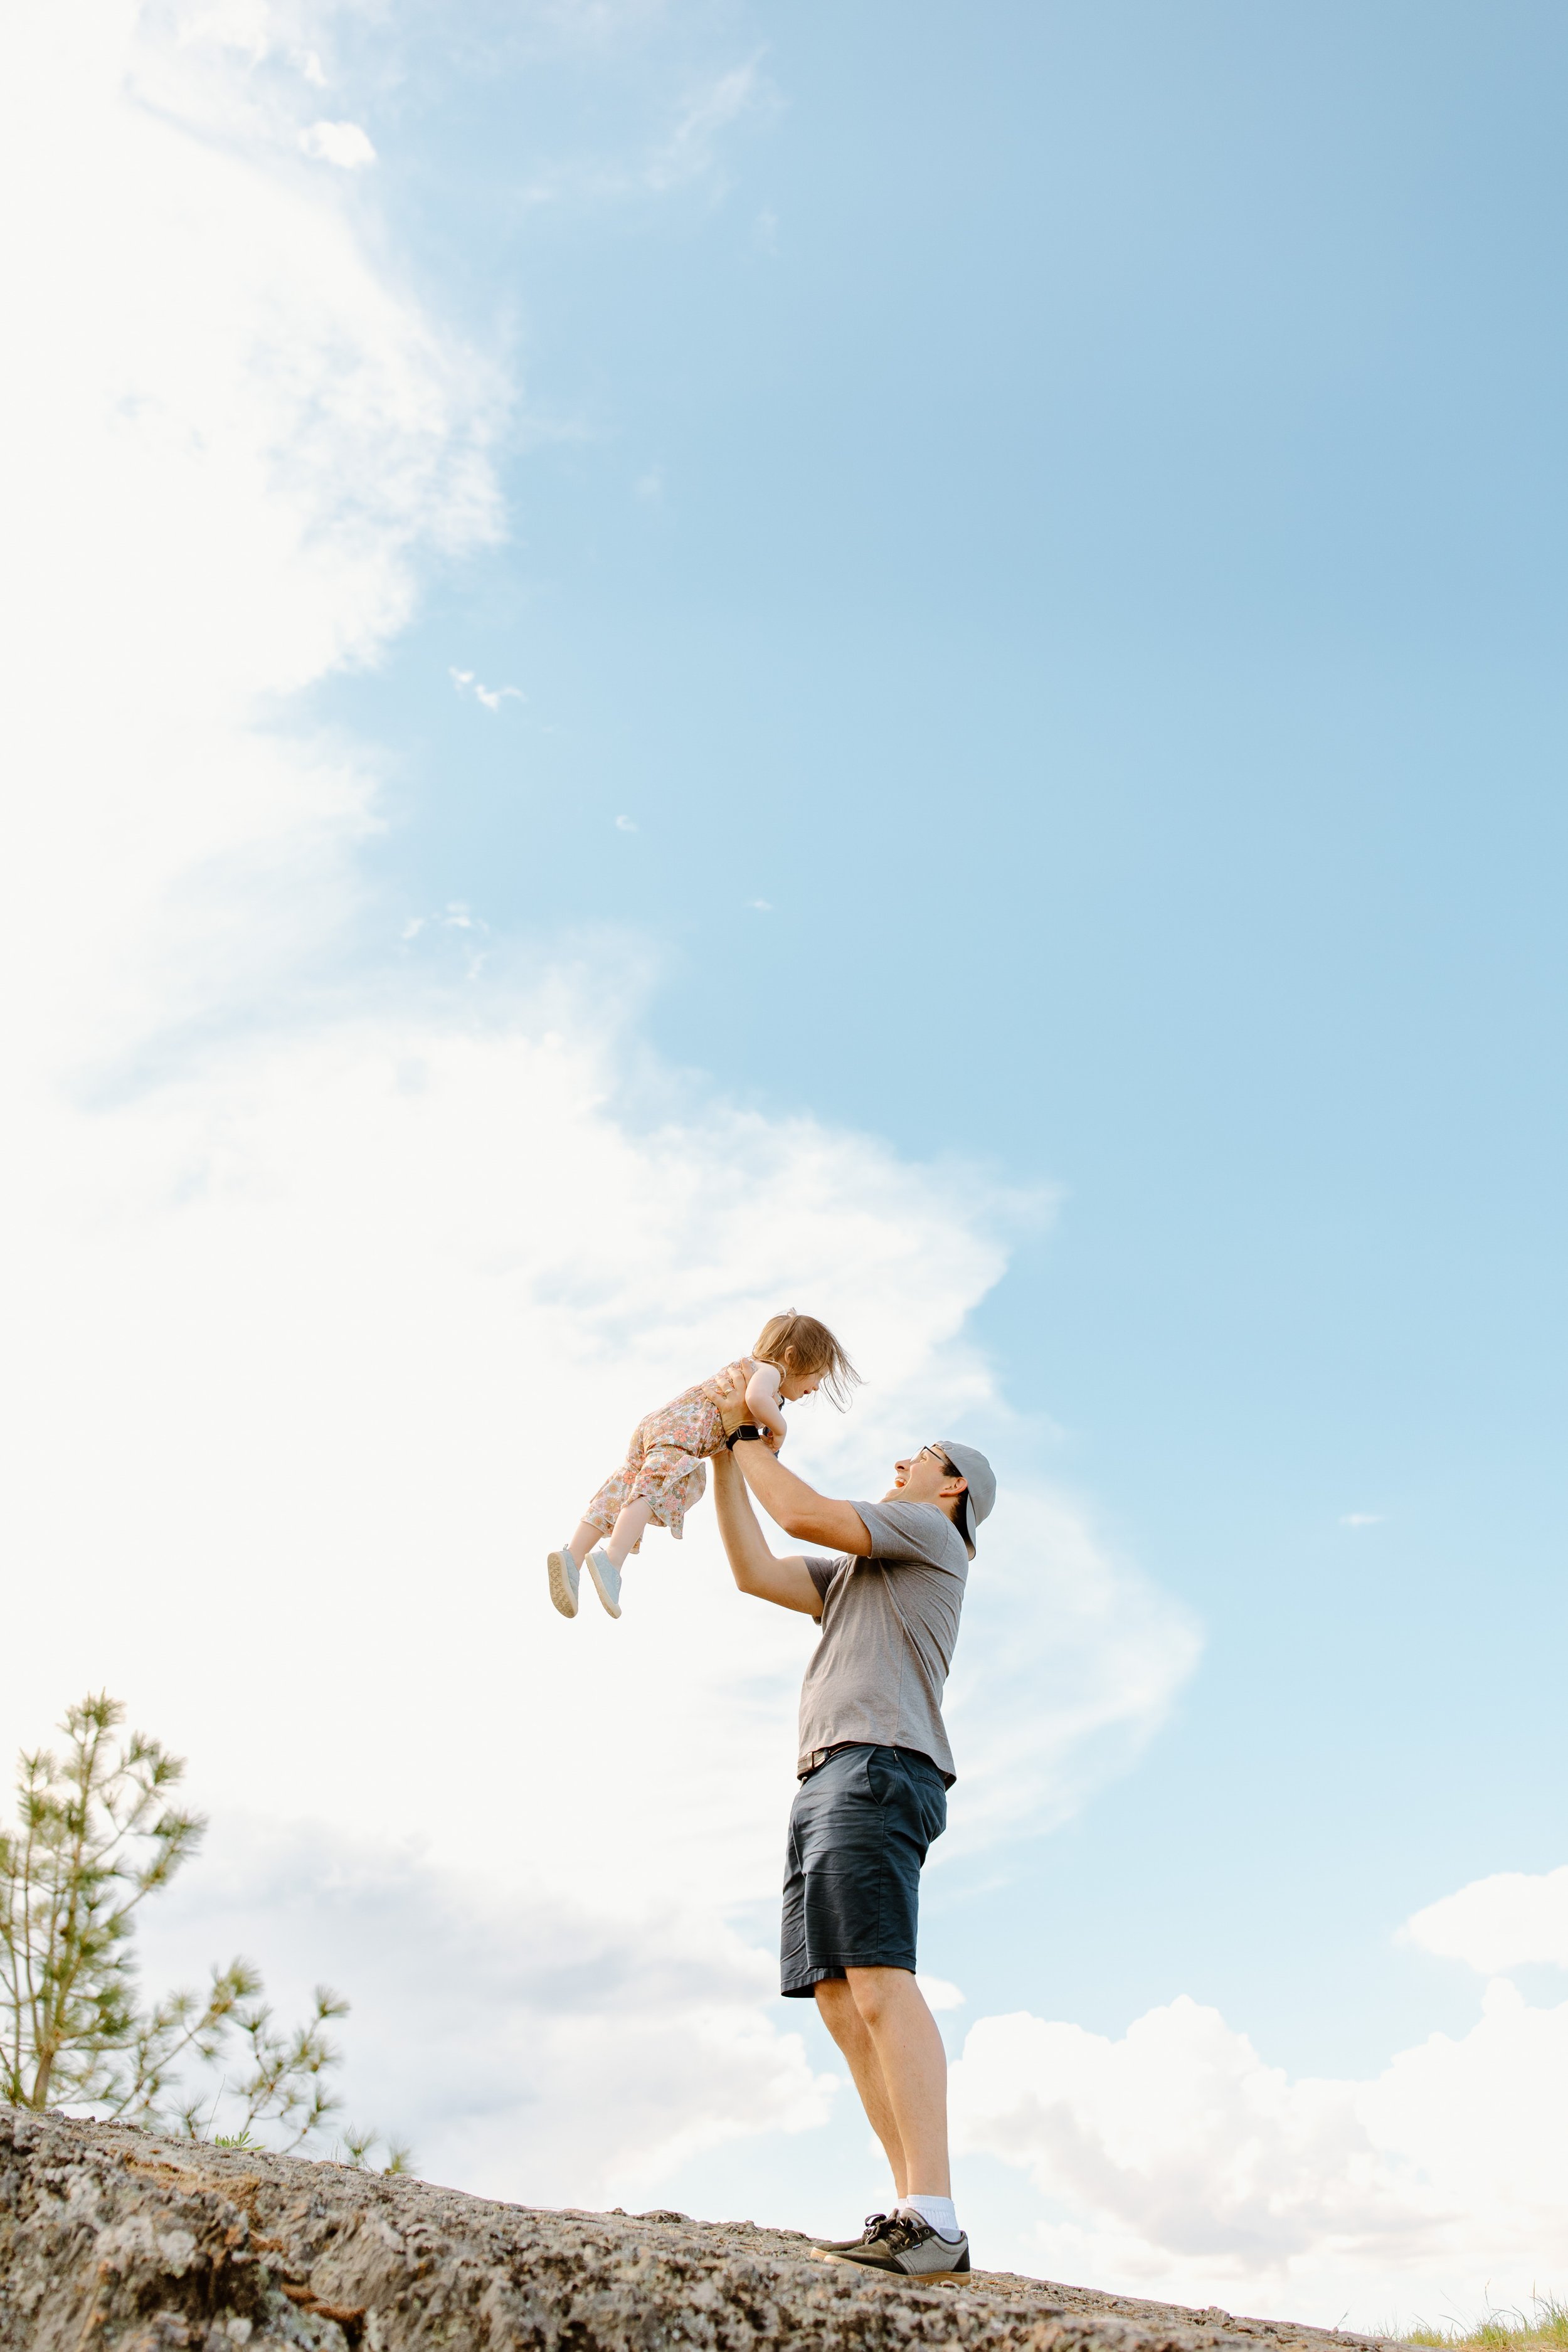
[(875, 1768)]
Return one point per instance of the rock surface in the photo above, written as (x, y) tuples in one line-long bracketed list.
[(116, 2240)]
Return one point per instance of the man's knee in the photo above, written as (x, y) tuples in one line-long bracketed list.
[(835, 2003), (875, 1991)]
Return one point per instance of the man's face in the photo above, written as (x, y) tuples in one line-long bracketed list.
[(923, 1477)]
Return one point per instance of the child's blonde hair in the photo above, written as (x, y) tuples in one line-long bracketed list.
[(799, 1343)]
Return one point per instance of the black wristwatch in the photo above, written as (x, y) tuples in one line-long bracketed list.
[(747, 1429)]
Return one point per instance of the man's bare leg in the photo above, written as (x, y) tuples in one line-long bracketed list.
[(910, 2077), (837, 2007)]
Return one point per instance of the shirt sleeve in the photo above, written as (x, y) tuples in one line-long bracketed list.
[(916, 1533), (822, 1573)]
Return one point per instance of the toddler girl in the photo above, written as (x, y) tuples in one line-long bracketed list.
[(665, 1471)]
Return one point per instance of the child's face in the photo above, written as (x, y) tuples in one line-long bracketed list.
[(795, 1385)]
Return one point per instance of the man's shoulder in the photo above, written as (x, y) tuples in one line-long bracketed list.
[(920, 1533)]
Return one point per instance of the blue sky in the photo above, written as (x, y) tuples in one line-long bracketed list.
[(1014, 565)]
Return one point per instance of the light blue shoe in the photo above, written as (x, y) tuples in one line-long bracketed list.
[(564, 1575), (606, 1579)]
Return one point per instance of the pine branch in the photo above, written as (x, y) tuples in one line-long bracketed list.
[(97, 1834)]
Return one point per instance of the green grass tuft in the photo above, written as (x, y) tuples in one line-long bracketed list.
[(1545, 2329)]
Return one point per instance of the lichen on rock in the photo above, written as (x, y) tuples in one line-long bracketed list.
[(118, 2239)]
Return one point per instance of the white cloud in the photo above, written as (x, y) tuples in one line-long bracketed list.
[(330, 1297), (939, 1994), (329, 1301), (1362, 1518), (564, 2052), (1509, 1921), (626, 824), (1180, 2164), (760, 906), (255, 439), (342, 143), (349, 1324), (184, 60), (1068, 1667), (491, 696)]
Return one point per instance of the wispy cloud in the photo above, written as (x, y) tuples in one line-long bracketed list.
[(686, 154), (626, 824), (1362, 1518), (492, 697), (342, 143), (690, 149)]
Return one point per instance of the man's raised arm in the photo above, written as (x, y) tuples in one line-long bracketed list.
[(754, 1568), (798, 1508)]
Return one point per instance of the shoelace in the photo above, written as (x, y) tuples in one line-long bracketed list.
[(895, 2230)]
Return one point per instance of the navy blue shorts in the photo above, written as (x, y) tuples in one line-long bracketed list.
[(858, 1832)]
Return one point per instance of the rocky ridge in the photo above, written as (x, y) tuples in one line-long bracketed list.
[(118, 2239)]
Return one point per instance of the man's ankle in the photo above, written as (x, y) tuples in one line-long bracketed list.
[(936, 2212)]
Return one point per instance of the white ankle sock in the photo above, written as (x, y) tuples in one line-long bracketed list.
[(936, 2211)]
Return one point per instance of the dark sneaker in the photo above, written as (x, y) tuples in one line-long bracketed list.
[(905, 2245), (826, 2246)]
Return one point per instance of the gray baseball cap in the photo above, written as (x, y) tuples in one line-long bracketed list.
[(980, 1488)]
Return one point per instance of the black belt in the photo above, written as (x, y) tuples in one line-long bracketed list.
[(820, 1756)]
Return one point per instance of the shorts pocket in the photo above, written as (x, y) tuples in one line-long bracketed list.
[(923, 1798), (933, 1806)]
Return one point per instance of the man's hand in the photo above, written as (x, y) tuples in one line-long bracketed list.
[(733, 1411), (731, 1403)]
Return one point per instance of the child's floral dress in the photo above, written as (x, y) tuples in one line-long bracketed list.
[(665, 1464)]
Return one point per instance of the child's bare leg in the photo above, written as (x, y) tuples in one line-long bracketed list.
[(628, 1530), (583, 1540)]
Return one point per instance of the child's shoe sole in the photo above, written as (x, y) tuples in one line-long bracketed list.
[(564, 1578)]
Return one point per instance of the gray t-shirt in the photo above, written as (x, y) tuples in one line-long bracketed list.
[(888, 1626)]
